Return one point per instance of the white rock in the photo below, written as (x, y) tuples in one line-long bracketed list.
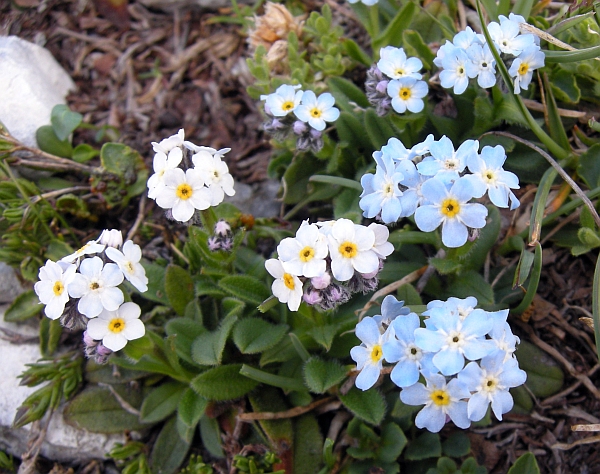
[(63, 443), (31, 84), (10, 286)]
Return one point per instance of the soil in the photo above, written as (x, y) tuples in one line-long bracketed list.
[(149, 71)]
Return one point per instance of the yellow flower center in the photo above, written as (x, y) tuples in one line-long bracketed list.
[(94, 286), (440, 397), (450, 207), (523, 68), (116, 325), (184, 191), (348, 250), (489, 176), (288, 281), (316, 113), (405, 93), (460, 71), (388, 190), (307, 254), (376, 353), (399, 72), (58, 288), (287, 105)]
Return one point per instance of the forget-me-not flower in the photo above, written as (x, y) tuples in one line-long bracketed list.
[(444, 163), (395, 65), (407, 94), (381, 192), (522, 68), (317, 111), (369, 355), (451, 209), (455, 73), (283, 101)]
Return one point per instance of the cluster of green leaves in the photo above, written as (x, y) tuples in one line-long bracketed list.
[(62, 375), (319, 53), (6, 462)]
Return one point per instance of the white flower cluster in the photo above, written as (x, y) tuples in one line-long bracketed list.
[(468, 56), (337, 258), (182, 184), (82, 290), (396, 82), (309, 110), (456, 333)]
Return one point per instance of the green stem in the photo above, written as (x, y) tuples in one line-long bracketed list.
[(374, 16), (596, 306)]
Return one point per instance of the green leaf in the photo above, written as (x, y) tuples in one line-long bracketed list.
[(457, 445), (534, 280), (472, 283), (186, 331), (72, 204), (445, 266), (320, 375), (156, 283), (254, 335), (357, 53), (526, 464), (286, 383), (191, 408), (64, 121), (351, 131), (426, 446), (336, 181), (161, 402), (308, 444), (211, 436), (84, 153), (572, 56), (347, 95), (392, 35), (378, 128), (555, 123), (589, 166), (544, 376), (169, 449), (564, 86), (179, 288), (392, 443), (25, 306), (416, 46), (246, 288), (50, 332), (96, 409), (208, 347), (324, 335), (367, 405), (48, 141), (223, 383)]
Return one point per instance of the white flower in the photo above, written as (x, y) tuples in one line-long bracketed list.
[(115, 328), (407, 94), (351, 248), (285, 99), (369, 355), (90, 248), (287, 288), (163, 163), (215, 174), (507, 36), (317, 111), (382, 247), (305, 254), (52, 289), (183, 193), (168, 144), (112, 238), (397, 65), (96, 285), (129, 263)]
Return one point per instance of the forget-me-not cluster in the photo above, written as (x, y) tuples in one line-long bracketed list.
[(468, 56), (436, 183), (395, 82), (463, 354)]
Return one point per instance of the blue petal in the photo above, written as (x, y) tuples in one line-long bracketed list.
[(449, 362), (405, 374)]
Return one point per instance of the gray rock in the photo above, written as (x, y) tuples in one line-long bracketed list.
[(31, 84), (63, 443), (10, 285), (260, 199)]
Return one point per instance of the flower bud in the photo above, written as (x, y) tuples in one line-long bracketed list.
[(321, 282), (112, 238)]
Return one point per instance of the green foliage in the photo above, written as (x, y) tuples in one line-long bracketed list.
[(367, 405), (222, 383), (526, 464), (320, 375)]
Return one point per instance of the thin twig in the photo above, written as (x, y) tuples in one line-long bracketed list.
[(565, 446), (59, 192), (280, 415), (138, 219), (564, 175)]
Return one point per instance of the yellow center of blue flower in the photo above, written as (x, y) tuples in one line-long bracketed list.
[(287, 105), (440, 397), (307, 254), (316, 113), (450, 207), (523, 68), (184, 191), (405, 93), (376, 353)]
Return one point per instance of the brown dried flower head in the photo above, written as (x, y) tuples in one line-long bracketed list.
[(273, 26)]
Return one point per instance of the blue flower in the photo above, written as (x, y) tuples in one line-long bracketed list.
[(491, 382), (489, 176), (395, 64), (441, 399), (481, 65), (369, 355), (391, 308), (381, 191), (409, 357), (455, 73), (407, 94), (450, 208), (453, 339), (502, 335), (445, 163), (398, 152)]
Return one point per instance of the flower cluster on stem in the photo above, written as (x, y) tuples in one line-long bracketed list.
[(469, 56), (82, 290), (291, 111), (188, 178), (328, 261), (432, 182), (465, 356)]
